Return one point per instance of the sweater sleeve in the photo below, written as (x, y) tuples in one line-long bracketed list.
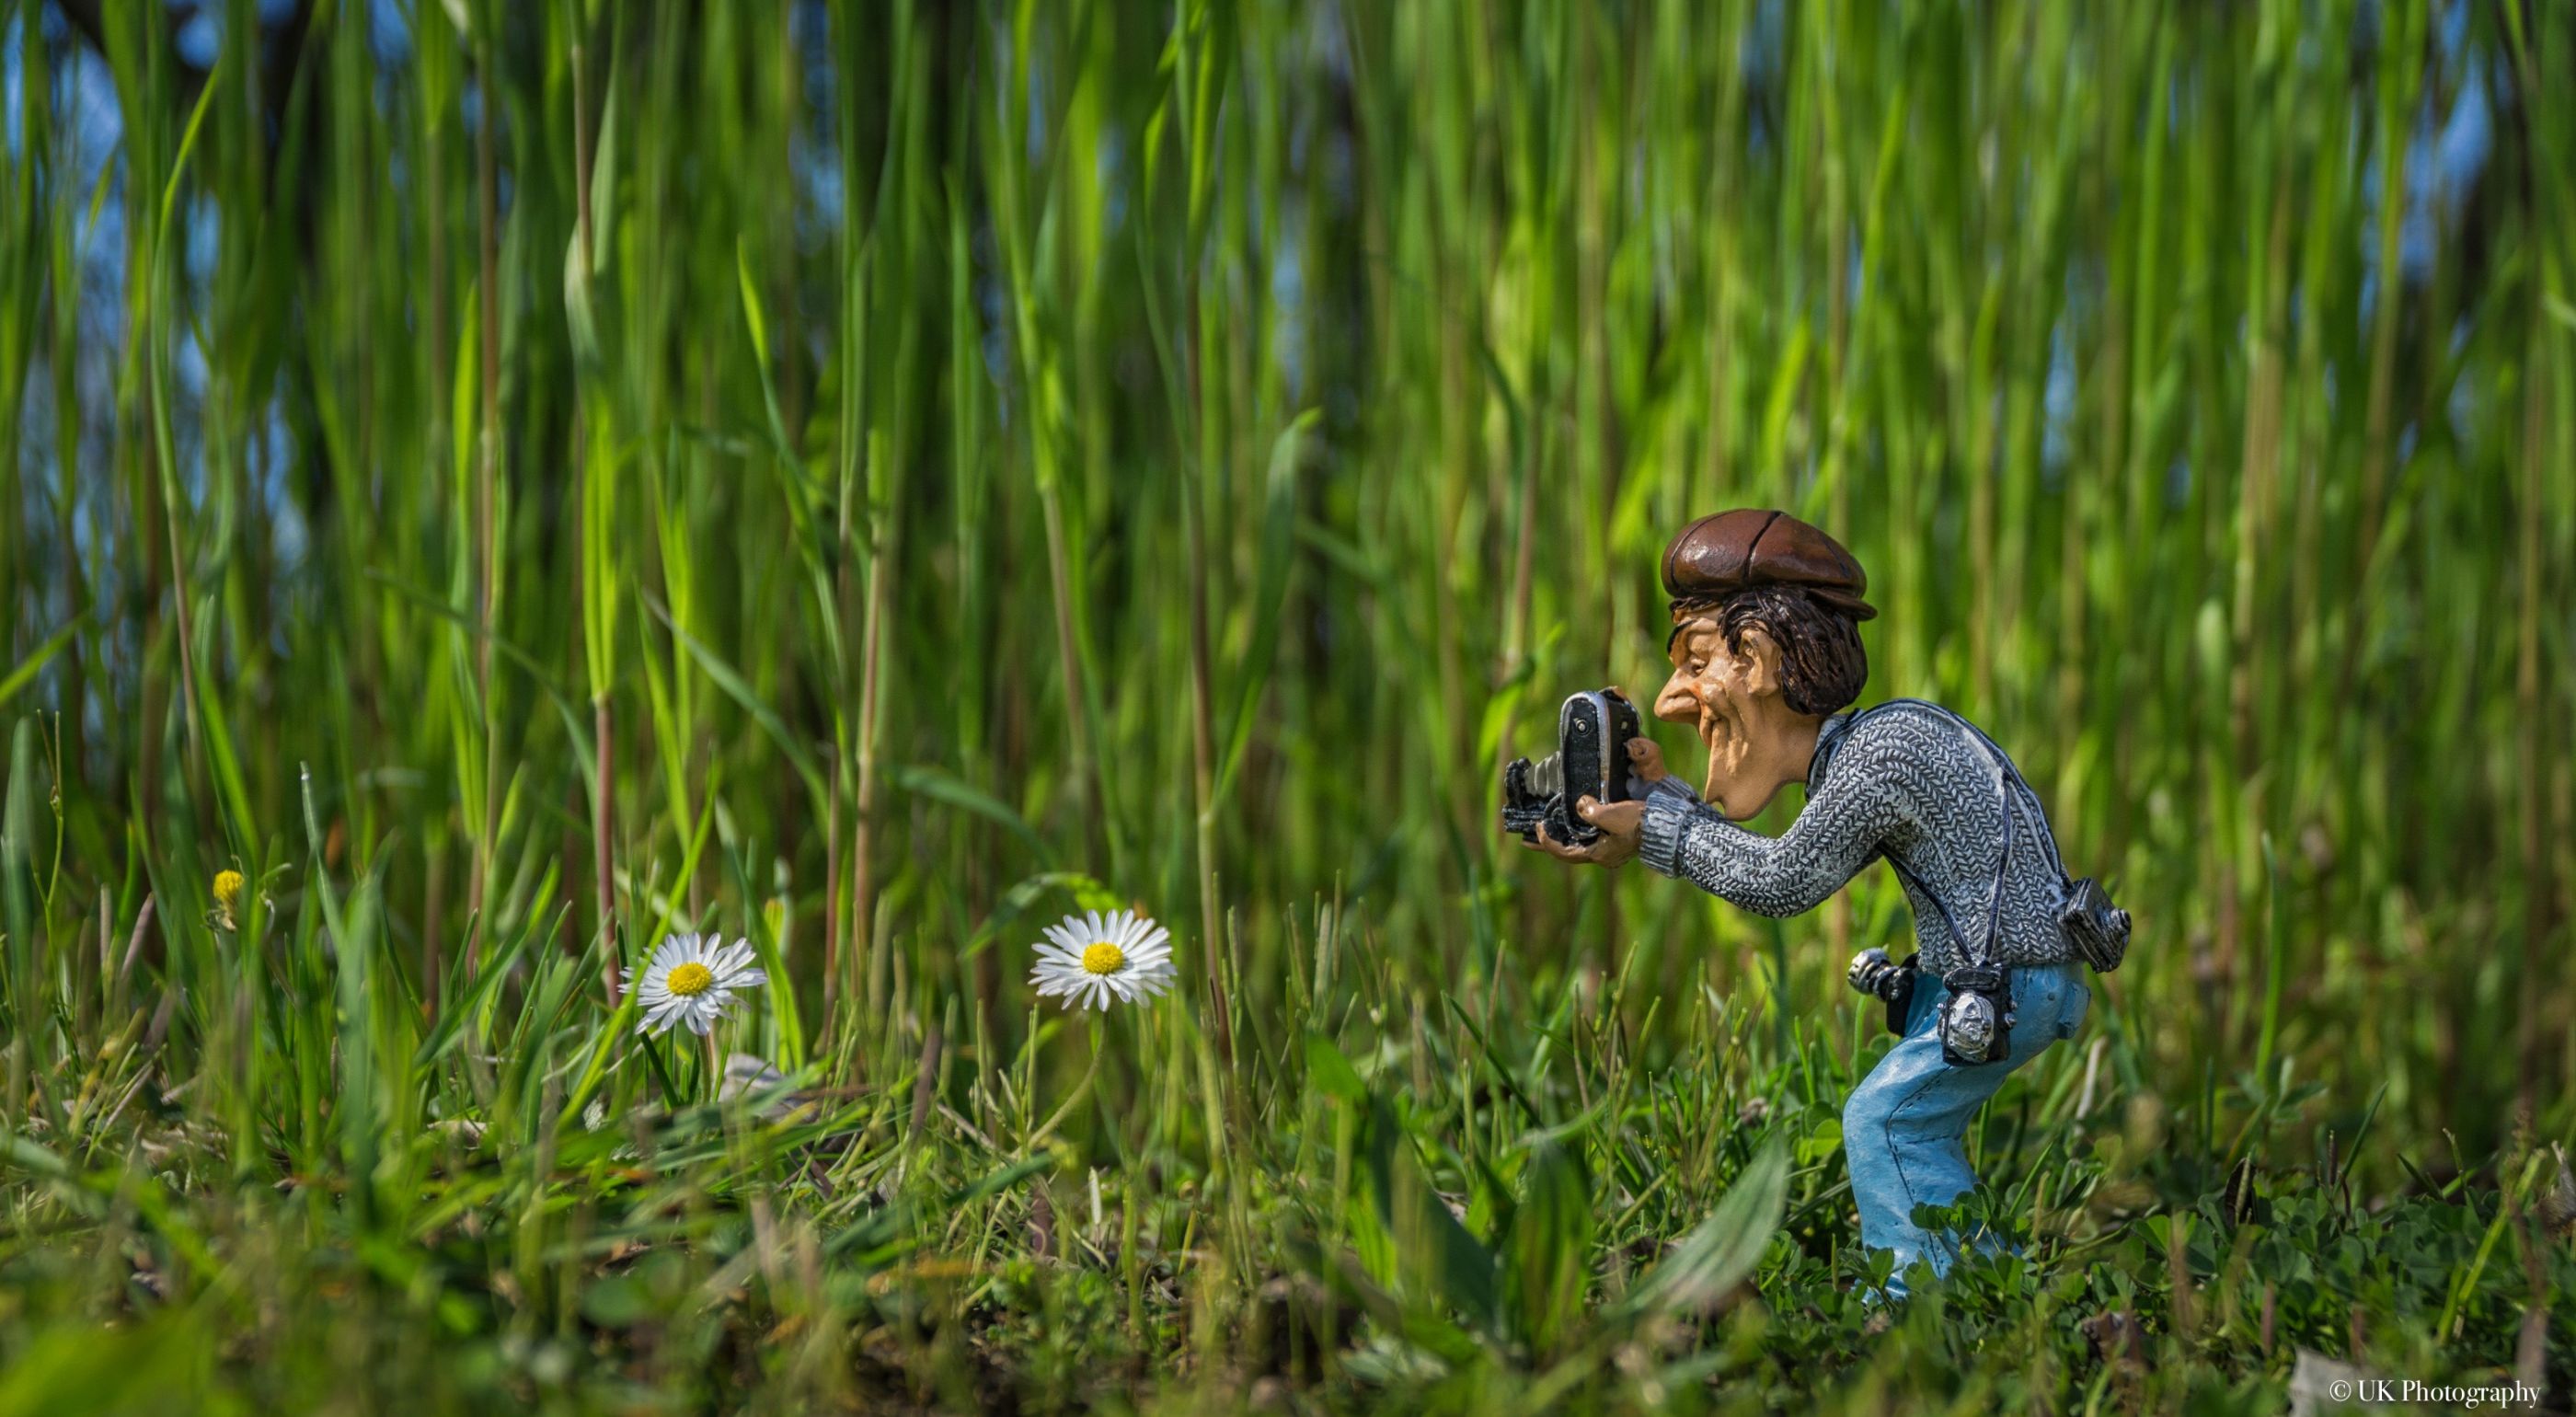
[(1670, 805), (1841, 828)]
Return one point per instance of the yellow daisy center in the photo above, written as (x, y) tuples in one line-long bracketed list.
[(691, 979), (1103, 958), (228, 886)]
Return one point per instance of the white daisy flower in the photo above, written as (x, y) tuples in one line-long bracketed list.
[(691, 979), (1089, 960)]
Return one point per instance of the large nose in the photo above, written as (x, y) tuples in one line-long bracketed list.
[(1677, 704)]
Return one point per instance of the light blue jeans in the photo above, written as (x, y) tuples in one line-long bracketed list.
[(1905, 1126)]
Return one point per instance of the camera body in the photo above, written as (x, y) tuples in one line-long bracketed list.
[(1976, 1020), (1591, 760), (1888, 981), (2097, 929)]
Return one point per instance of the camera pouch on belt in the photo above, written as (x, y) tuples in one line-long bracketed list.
[(1900, 996)]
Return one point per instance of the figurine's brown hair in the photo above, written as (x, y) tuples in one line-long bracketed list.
[(1822, 664)]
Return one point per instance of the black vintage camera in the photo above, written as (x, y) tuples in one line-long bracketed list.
[(1976, 1020), (2098, 929), (1591, 760), (1891, 982)]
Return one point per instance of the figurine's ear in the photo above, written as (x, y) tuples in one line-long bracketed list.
[(1761, 659)]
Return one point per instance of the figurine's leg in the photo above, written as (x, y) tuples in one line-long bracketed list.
[(1905, 1126), (1894, 1166)]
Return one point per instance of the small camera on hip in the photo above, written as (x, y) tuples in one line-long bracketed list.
[(1976, 1019), (1891, 982)]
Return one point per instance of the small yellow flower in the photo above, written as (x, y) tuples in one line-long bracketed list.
[(228, 889)]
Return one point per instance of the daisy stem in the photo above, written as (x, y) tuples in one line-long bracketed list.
[(1081, 1090), (662, 1076)]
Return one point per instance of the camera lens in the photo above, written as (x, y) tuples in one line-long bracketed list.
[(1971, 1031)]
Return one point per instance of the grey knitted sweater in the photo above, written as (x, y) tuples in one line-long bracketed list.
[(1906, 780)]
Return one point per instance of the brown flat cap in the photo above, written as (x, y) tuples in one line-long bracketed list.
[(1750, 546)]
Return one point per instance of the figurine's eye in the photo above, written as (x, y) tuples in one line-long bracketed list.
[(1698, 667)]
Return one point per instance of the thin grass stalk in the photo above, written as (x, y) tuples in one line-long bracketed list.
[(487, 481), (157, 282), (598, 575), (2536, 43), (2399, 81), (62, 279), (880, 577), (1010, 194), (2531, 717), (848, 415), (1198, 88), (866, 476)]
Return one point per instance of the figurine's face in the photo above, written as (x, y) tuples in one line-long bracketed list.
[(1732, 699)]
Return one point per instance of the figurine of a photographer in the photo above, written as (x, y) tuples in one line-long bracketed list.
[(1766, 661)]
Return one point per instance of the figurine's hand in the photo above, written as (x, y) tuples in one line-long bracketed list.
[(1647, 760), (1621, 824)]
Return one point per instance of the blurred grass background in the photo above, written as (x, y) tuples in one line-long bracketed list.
[(513, 479)]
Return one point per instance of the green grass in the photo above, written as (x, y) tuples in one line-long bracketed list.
[(515, 479)]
